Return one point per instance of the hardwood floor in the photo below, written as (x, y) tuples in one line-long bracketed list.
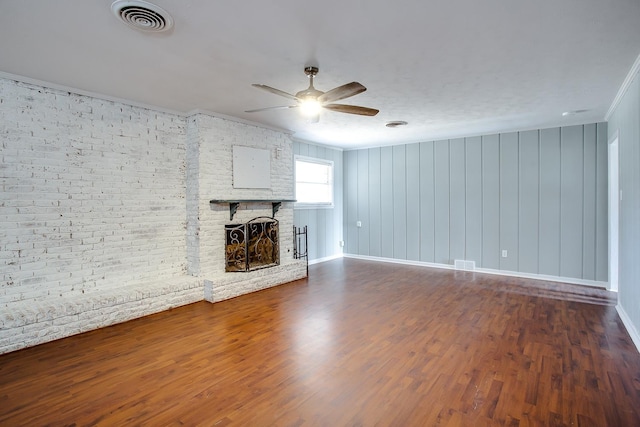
[(357, 344)]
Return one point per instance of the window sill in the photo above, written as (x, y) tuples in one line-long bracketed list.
[(297, 206)]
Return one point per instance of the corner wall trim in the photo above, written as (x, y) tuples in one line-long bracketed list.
[(635, 68), (628, 324)]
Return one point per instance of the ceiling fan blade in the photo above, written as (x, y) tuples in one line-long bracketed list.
[(281, 107), (342, 92), (351, 109), (275, 91)]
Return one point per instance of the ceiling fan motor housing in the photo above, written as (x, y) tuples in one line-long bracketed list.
[(310, 93), (311, 71)]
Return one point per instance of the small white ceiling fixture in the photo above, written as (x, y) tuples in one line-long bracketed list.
[(573, 112), (142, 15), (396, 123)]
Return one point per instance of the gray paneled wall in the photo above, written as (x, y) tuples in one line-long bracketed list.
[(536, 194), (324, 225)]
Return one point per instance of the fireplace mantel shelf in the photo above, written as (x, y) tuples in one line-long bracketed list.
[(233, 204)]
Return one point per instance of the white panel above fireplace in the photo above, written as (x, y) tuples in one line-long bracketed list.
[(251, 167)]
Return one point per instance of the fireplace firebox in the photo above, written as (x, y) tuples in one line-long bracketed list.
[(252, 245)]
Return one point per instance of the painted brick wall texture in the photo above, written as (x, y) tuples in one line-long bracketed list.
[(101, 221), (216, 138), (93, 198), (92, 193)]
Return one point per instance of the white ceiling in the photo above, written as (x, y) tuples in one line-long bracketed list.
[(448, 67)]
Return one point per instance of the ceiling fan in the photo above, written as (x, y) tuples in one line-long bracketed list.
[(311, 100)]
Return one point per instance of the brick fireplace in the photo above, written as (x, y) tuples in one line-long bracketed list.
[(210, 143)]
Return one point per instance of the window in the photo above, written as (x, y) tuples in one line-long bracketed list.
[(314, 182)]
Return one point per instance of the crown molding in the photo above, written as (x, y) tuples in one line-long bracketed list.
[(623, 89), (76, 91), (237, 120)]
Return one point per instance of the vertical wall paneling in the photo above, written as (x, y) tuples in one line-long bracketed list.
[(539, 194), (312, 233), (571, 200), (328, 246), (312, 151), (300, 216), (306, 215), (509, 201), (399, 202), (529, 156), (312, 221), (457, 199), (338, 210), (589, 204), (602, 203), (413, 201), (549, 249), (441, 200), (375, 220), (351, 200), (491, 202), (473, 201), (427, 205), (321, 217), (387, 201), (363, 202)]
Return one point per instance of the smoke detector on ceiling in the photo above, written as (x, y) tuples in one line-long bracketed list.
[(142, 15)]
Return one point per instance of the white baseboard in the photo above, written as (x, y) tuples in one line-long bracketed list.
[(325, 259), (570, 280), (400, 261), (631, 329)]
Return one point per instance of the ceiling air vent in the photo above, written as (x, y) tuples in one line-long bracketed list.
[(142, 15)]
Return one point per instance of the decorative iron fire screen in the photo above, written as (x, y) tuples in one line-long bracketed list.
[(253, 245)]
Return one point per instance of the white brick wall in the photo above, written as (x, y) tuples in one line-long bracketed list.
[(35, 322), (92, 193), (193, 196), (92, 203), (101, 220)]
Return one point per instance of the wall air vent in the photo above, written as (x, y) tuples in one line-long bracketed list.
[(142, 15)]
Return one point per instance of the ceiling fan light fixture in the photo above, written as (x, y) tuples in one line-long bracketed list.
[(311, 101), (310, 107)]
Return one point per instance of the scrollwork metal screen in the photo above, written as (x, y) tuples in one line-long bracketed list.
[(252, 245)]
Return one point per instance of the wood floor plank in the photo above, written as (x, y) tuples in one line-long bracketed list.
[(357, 343)]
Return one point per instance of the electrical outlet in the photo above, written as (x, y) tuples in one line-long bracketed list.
[(341, 242), (504, 253), (358, 223)]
